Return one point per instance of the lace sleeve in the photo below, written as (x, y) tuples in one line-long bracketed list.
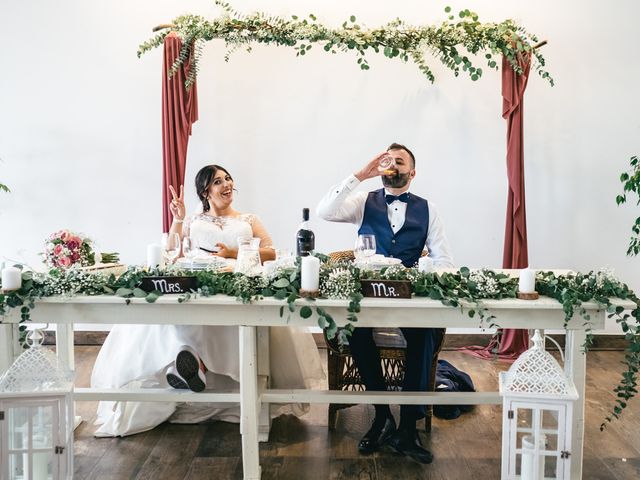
[(261, 232)]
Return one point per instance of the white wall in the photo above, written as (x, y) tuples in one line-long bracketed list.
[(80, 127)]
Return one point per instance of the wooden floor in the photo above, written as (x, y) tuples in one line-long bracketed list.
[(303, 448)]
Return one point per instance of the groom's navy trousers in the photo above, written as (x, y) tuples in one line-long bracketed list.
[(421, 346)]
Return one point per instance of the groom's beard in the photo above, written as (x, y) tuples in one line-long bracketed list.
[(397, 180)]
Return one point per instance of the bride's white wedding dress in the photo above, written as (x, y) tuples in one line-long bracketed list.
[(137, 356)]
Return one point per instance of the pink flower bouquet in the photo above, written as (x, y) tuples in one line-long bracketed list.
[(64, 249)]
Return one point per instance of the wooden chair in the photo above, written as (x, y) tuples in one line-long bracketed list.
[(344, 375)]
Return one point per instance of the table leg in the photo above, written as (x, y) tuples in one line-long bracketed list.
[(575, 367), (264, 376), (8, 345), (64, 345), (249, 403)]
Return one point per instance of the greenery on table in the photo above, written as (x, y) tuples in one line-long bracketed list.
[(453, 42), (575, 289), (631, 184), (4, 188), (464, 289)]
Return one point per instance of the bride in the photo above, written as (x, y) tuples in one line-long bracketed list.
[(191, 356)]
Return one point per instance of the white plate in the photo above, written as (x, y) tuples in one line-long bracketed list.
[(202, 263), (377, 262)]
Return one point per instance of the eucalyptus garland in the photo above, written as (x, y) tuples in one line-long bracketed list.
[(464, 289), (631, 184), (453, 42)]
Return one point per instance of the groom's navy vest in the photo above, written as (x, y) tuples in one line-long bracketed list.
[(408, 243)]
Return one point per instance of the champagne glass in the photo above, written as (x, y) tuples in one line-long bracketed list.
[(171, 246)]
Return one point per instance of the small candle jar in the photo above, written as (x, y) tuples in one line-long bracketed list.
[(269, 268), (425, 264), (11, 278)]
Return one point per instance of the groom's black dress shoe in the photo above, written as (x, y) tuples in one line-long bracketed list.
[(377, 435), (405, 442)]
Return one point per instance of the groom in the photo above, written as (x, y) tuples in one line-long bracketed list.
[(404, 224)]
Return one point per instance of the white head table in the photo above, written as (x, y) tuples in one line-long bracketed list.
[(254, 395)]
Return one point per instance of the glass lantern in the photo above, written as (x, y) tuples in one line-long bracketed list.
[(537, 410), (36, 417)]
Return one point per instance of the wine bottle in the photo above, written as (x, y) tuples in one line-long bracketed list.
[(305, 239)]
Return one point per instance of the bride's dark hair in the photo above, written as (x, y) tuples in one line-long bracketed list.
[(203, 179)]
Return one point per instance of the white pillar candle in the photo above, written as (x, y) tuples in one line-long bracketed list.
[(41, 464), (529, 457), (11, 278), (154, 256), (527, 283), (310, 273), (425, 264)]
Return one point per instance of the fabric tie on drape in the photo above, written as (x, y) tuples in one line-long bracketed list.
[(179, 112), (508, 344)]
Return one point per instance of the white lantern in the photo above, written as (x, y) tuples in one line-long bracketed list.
[(537, 408), (36, 416)]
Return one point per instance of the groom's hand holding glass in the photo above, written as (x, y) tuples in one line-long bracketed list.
[(381, 164)]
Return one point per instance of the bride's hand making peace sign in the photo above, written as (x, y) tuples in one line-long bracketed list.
[(177, 203)]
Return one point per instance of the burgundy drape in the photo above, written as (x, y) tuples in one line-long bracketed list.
[(508, 344), (179, 112)]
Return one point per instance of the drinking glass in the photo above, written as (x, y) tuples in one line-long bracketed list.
[(365, 247), (282, 253), (171, 246), (387, 165), (284, 258), (189, 249)]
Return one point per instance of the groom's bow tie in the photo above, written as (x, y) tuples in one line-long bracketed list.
[(403, 197)]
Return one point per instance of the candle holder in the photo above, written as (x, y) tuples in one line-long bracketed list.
[(6, 291), (537, 412), (309, 293), (528, 296)]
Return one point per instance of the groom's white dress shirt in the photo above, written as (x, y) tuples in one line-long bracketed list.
[(341, 204)]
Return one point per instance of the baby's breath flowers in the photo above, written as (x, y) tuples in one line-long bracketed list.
[(243, 284), (483, 284), (72, 282), (399, 272), (338, 282)]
